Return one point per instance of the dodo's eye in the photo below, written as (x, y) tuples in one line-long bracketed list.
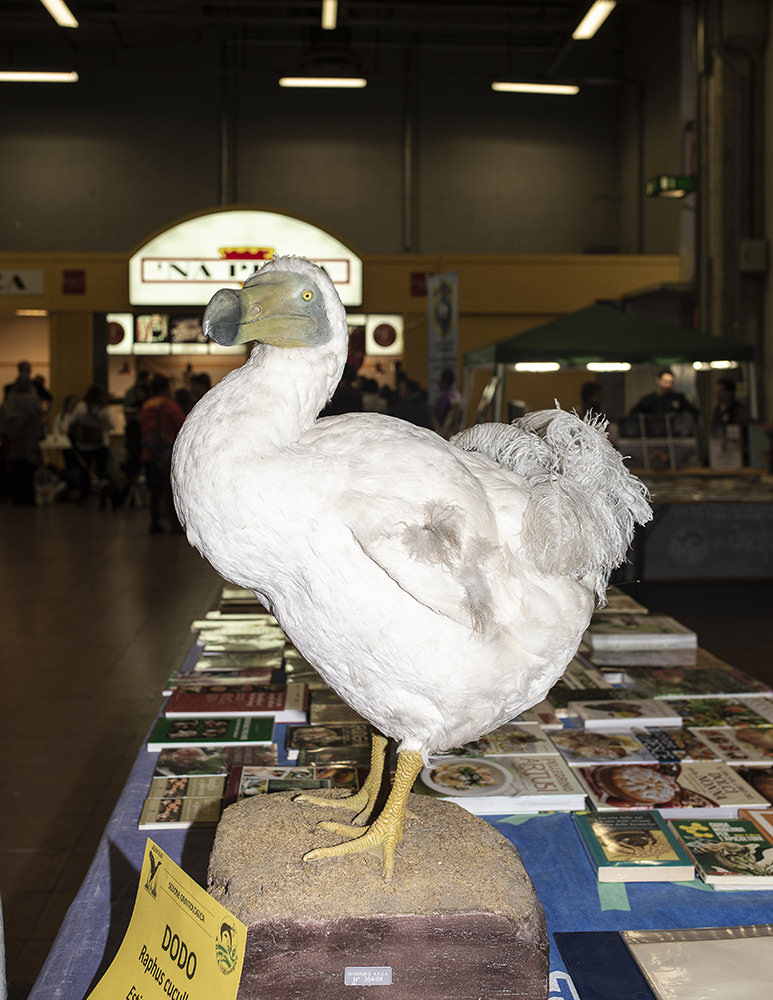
[(308, 295)]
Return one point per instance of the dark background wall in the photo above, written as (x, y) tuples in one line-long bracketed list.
[(427, 158)]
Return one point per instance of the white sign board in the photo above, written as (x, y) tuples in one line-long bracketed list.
[(187, 264)]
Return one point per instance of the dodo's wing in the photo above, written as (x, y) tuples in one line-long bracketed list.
[(438, 522)]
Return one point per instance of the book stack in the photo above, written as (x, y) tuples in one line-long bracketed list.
[(728, 853)]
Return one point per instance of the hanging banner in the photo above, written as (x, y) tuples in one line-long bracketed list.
[(442, 327)]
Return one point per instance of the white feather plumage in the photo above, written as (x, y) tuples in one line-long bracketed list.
[(440, 588)]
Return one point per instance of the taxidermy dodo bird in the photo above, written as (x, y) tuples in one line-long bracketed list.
[(440, 588)]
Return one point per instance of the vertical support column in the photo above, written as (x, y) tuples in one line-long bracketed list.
[(71, 351)]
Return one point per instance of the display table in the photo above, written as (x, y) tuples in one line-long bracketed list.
[(706, 525), (552, 854)]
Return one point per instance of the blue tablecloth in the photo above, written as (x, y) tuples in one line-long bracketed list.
[(548, 845)]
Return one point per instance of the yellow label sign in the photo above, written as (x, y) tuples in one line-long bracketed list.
[(181, 944)]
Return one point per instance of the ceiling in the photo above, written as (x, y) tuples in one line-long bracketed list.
[(531, 37)]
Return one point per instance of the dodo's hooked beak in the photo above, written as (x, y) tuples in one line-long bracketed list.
[(281, 308)]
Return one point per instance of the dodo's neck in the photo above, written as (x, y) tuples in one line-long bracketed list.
[(280, 392)]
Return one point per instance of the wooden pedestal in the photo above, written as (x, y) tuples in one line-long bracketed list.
[(459, 920)]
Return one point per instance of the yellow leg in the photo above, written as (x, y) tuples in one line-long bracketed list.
[(383, 835), (365, 798)]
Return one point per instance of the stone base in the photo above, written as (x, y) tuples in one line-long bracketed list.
[(458, 921)]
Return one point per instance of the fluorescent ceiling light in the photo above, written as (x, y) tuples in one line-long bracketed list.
[(593, 20), (32, 312), (608, 366), (537, 366), (323, 81), (35, 76), (329, 14), (61, 13), (702, 366), (507, 87)]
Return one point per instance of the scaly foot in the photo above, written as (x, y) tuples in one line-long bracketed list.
[(363, 800), (382, 836)]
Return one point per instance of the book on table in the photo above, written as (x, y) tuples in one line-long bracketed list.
[(709, 677), (622, 714), (700, 788), (492, 785), (314, 737), (699, 712), (520, 739), (183, 802), (284, 702), (632, 846), (245, 781), (193, 760), (208, 732), (728, 853), (739, 745), (623, 632)]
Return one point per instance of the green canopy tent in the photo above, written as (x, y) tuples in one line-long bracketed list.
[(602, 333)]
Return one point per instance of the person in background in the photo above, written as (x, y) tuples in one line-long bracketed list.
[(410, 403), (133, 399), (728, 409), (372, 400), (590, 400), (90, 435), (160, 421), (665, 399), (200, 383), (22, 425), (61, 432), (447, 412)]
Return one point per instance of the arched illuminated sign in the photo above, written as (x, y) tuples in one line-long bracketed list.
[(185, 265)]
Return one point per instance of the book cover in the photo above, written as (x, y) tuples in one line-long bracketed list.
[(244, 782), (244, 680), (622, 714), (561, 695), (192, 760), (182, 802), (762, 819), (492, 785), (207, 732), (514, 738), (638, 632), (244, 660), (705, 679), (207, 786), (181, 812), (728, 853), (620, 603), (671, 744), (542, 713), (358, 756), (286, 703), (699, 712), (760, 777), (702, 787), (326, 708), (739, 745), (632, 846), (352, 734), (606, 659), (590, 746)]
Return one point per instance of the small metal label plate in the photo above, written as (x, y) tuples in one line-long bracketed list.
[(368, 975)]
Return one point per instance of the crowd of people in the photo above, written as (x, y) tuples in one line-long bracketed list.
[(82, 429), (81, 433)]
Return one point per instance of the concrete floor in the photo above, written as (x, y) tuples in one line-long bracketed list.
[(95, 615)]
